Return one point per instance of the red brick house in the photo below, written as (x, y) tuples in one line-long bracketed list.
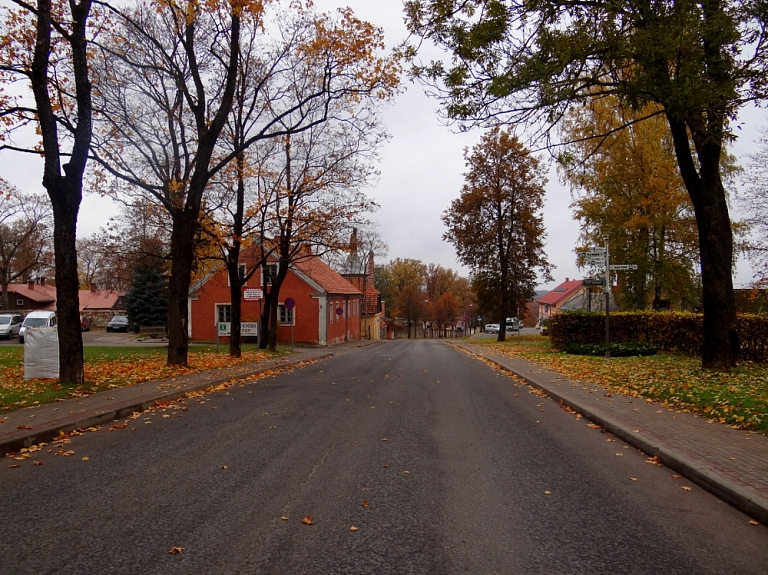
[(318, 292), (551, 302), (40, 296)]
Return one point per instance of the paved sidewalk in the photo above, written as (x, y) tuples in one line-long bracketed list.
[(730, 463), (29, 426)]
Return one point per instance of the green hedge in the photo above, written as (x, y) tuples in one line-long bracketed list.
[(669, 331), (624, 349)]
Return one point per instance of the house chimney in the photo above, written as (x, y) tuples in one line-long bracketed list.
[(353, 241), (566, 279), (42, 281), (31, 284), (93, 288)]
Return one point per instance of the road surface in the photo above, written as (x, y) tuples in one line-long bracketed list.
[(441, 463)]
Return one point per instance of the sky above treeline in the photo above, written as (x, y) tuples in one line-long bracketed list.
[(422, 168)]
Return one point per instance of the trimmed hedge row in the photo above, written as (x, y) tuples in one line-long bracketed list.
[(624, 349), (669, 331)]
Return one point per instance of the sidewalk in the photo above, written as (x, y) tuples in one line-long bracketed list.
[(29, 426), (730, 463)]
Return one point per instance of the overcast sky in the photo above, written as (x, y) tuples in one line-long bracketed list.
[(421, 168)]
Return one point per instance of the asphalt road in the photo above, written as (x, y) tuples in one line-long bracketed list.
[(463, 469)]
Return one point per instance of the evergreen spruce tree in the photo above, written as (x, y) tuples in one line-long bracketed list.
[(147, 299)]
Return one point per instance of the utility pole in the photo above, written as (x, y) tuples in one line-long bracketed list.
[(607, 300)]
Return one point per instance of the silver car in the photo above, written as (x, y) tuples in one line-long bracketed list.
[(10, 324), (491, 328)]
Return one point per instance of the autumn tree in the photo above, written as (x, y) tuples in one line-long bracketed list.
[(25, 238), (46, 47), (695, 62), (755, 202), (496, 224), (627, 186), (146, 301), (167, 85), (402, 285)]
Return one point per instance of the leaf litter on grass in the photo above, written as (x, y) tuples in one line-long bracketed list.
[(738, 398)]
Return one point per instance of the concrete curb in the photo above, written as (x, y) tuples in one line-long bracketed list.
[(705, 476), (129, 406)]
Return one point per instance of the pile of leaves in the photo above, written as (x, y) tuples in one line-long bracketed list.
[(738, 398), (106, 368), (625, 349)]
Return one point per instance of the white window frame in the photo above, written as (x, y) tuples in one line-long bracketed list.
[(20, 302), (217, 315), (285, 313), (244, 268), (275, 266)]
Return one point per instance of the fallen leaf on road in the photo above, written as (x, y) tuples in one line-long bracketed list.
[(176, 550), (685, 488), (284, 518), (547, 493), (38, 462), (353, 528), (385, 465), (676, 476), (593, 426), (307, 520), (611, 440), (384, 439), (619, 455), (365, 503), (516, 395), (753, 522), (14, 465), (541, 410), (653, 461), (67, 453), (166, 415), (633, 478), (635, 431), (578, 416), (223, 466), (23, 427), (85, 458), (273, 427)]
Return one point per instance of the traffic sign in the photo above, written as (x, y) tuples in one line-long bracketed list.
[(623, 267), (595, 261), (339, 310), (593, 282), (253, 294), (289, 303)]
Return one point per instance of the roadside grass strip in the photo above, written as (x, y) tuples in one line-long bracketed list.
[(738, 398), (107, 368)]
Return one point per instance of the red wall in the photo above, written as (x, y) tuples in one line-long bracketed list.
[(306, 328)]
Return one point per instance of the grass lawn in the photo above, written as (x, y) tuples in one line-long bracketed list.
[(738, 398), (107, 368)]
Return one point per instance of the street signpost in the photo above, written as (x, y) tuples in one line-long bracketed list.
[(622, 267), (253, 294), (593, 282)]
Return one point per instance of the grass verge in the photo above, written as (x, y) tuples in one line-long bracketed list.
[(738, 398), (108, 368)]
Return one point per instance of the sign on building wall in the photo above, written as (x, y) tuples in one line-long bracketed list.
[(247, 328)]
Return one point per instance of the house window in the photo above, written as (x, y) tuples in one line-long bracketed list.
[(269, 272), (224, 313), (19, 302), (286, 315), (242, 270)]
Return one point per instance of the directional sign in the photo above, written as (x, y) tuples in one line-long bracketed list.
[(623, 267), (595, 261), (594, 254), (593, 282), (594, 251)]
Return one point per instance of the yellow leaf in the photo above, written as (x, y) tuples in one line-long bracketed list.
[(284, 518), (307, 520), (619, 455), (685, 488), (547, 493), (753, 522), (85, 458), (353, 528), (633, 478), (176, 550)]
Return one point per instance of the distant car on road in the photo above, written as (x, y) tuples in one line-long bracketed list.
[(10, 324), (118, 323), (491, 328)]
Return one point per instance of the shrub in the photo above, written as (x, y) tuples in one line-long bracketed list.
[(625, 349), (670, 331)]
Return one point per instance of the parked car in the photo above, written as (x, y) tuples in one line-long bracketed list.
[(10, 324), (513, 324), (491, 328), (37, 319), (85, 324), (118, 323)]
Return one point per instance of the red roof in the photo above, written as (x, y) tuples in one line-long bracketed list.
[(99, 299), (37, 293), (562, 292), (322, 274)]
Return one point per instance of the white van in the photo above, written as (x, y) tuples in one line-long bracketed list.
[(37, 319)]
